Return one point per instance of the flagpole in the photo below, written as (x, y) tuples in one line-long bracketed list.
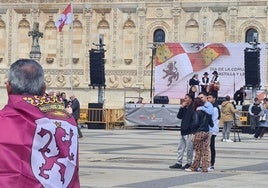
[(71, 47)]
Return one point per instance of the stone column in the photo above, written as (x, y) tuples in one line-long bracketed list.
[(88, 21), (176, 13), (9, 42), (233, 11), (114, 35), (141, 12)]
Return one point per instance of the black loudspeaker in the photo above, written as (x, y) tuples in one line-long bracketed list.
[(97, 69), (252, 68), (95, 113), (161, 100)]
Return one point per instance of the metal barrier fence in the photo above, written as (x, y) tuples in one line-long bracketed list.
[(244, 118), (110, 118)]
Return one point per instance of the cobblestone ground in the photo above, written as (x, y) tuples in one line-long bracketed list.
[(140, 159)]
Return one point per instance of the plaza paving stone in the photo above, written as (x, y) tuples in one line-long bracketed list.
[(135, 158)]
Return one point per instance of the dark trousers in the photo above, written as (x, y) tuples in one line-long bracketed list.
[(254, 122), (260, 131), (212, 150), (78, 129)]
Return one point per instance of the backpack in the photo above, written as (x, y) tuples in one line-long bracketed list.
[(256, 109)]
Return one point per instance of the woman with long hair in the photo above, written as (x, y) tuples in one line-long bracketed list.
[(200, 137)]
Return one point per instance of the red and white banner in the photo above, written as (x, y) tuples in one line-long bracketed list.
[(176, 63), (65, 18)]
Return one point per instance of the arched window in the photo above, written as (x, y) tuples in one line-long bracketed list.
[(252, 35), (159, 35)]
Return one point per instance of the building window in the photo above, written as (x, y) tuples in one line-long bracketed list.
[(159, 35), (252, 35)]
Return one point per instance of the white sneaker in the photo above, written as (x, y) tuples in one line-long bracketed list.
[(188, 170), (211, 168), (199, 169), (229, 140), (223, 140)]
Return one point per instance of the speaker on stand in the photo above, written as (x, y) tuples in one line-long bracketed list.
[(97, 68), (252, 68)]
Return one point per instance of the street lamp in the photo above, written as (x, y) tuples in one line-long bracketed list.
[(152, 72)]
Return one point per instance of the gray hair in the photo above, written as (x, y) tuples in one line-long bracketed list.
[(26, 77)]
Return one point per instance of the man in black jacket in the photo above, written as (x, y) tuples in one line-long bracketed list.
[(185, 114), (75, 105)]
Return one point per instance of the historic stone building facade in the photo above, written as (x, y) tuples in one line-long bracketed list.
[(129, 28)]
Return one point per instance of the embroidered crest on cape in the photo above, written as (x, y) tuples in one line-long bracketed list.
[(50, 105), (54, 151)]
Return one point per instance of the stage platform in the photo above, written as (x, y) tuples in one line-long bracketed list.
[(151, 115)]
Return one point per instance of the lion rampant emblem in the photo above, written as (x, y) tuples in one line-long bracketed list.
[(171, 72), (56, 143), (51, 160)]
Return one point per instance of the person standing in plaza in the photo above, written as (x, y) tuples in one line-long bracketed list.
[(38, 138), (185, 114), (63, 96), (75, 105), (263, 126), (227, 118), (200, 137), (207, 107), (140, 100), (254, 111), (214, 130)]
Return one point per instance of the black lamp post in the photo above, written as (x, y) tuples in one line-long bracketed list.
[(152, 72)]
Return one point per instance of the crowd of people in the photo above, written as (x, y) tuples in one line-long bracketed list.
[(201, 117), (72, 105), (199, 127), (205, 85), (212, 86), (40, 129)]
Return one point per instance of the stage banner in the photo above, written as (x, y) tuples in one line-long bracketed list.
[(151, 114), (176, 63)]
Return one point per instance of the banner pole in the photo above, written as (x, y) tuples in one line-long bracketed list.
[(71, 47)]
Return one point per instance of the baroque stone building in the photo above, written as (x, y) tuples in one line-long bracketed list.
[(129, 28)]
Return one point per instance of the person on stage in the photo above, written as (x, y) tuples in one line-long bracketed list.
[(194, 85), (214, 84), (205, 83), (240, 96)]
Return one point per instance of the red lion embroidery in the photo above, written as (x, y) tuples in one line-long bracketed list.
[(63, 152)]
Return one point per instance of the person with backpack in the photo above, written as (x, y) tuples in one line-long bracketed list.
[(254, 111)]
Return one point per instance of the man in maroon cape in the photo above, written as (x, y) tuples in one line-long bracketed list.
[(38, 138)]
